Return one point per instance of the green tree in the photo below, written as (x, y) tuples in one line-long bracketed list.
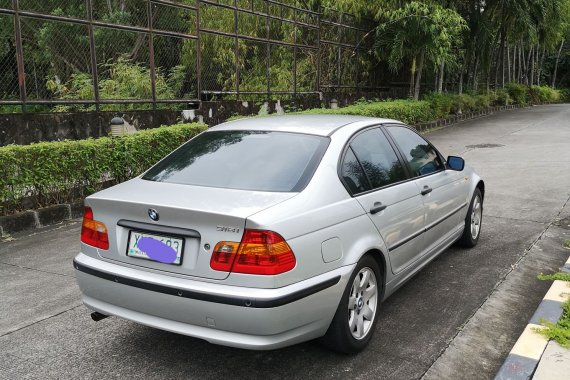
[(417, 32)]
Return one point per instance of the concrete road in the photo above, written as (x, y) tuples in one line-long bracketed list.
[(458, 318)]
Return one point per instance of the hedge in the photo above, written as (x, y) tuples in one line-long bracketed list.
[(438, 106), (408, 111), (47, 173)]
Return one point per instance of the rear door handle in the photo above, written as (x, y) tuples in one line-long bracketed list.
[(378, 206), (426, 190)]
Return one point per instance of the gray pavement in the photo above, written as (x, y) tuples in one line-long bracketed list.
[(554, 364), (458, 318)]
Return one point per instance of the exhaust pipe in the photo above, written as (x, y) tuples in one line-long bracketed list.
[(96, 316)]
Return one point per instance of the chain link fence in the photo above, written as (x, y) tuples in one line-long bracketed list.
[(68, 55)]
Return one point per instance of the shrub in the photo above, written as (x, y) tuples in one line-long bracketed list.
[(503, 98), (443, 103), (518, 92), (464, 102), (544, 94), (483, 101), (66, 171), (565, 95), (408, 111)]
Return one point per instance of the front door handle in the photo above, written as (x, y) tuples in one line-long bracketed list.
[(378, 206), (426, 190)]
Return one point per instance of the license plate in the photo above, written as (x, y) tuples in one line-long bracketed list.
[(161, 248)]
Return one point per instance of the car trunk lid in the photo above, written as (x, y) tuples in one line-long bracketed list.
[(191, 219)]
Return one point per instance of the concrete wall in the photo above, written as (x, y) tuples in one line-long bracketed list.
[(20, 128)]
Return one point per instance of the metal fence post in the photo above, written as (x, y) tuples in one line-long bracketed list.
[(267, 49), (94, 71), (151, 54), (295, 53), (237, 47), (19, 54), (339, 57), (198, 52), (319, 15), (357, 63)]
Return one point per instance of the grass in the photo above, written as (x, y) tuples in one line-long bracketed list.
[(556, 276), (559, 331), (567, 243)]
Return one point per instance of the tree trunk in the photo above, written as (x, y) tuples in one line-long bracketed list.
[(489, 78), (508, 65), (419, 75), (497, 59), (412, 78), (556, 64), (436, 80), (460, 90), (527, 67), (440, 77), (514, 69), (540, 65), (523, 65), (532, 50), (503, 43), (519, 60), (476, 75)]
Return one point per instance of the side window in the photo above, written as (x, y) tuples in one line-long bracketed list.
[(377, 158), (353, 174), (421, 156)]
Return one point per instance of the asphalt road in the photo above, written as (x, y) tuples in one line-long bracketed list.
[(458, 317)]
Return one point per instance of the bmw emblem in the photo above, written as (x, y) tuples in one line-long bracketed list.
[(153, 214)]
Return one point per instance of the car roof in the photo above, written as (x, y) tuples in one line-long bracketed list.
[(323, 125)]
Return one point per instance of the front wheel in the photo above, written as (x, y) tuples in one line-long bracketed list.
[(473, 221), (353, 324)]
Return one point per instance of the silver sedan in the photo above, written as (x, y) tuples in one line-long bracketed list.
[(266, 232)]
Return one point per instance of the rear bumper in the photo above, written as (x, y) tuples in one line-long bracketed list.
[(234, 316)]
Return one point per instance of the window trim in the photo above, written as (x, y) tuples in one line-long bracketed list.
[(372, 189)]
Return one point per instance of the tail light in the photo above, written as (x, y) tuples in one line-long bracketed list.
[(259, 252), (93, 232)]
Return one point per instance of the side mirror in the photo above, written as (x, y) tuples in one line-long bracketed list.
[(455, 163)]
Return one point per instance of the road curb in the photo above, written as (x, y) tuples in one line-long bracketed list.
[(526, 353), (454, 119), (42, 217), (566, 267)]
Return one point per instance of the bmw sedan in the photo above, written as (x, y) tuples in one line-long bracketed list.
[(266, 232)]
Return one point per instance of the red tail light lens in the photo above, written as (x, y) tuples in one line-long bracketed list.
[(93, 232), (224, 255), (260, 252)]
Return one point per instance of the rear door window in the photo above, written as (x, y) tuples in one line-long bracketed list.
[(370, 162), (247, 160), (422, 158), (353, 174), (378, 158)]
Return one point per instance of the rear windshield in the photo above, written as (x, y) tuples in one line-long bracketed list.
[(248, 160)]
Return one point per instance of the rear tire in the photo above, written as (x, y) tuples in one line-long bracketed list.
[(355, 320), (473, 222)]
